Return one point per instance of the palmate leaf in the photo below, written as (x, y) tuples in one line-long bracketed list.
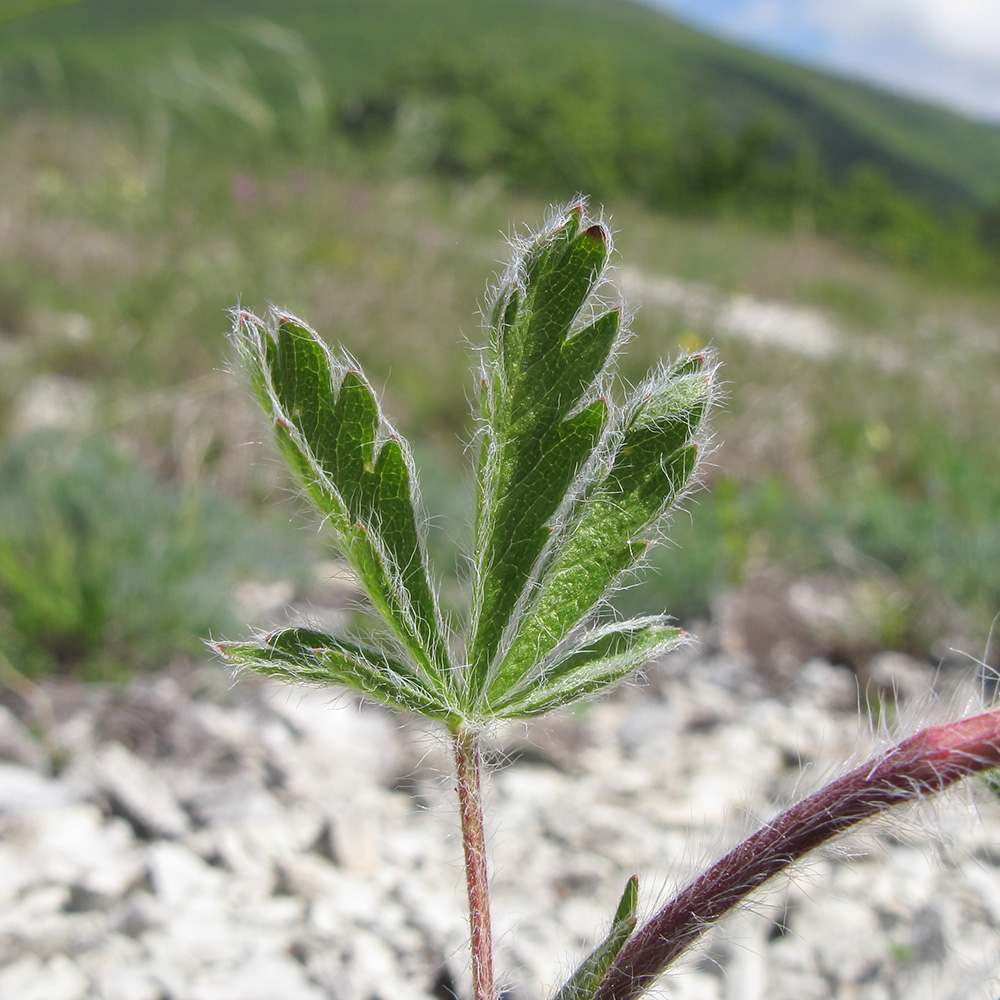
[(572, 488), (357, 471)]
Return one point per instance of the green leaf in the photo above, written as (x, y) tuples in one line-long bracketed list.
[(650, 466), (357, 471), (305, 655), (599, 659), (583, 984), (572, 489), (543, 375)]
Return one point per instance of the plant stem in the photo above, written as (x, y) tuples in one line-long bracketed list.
[(468, 767), (923, 764)]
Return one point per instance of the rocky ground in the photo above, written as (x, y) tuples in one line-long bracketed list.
[(191, 837)]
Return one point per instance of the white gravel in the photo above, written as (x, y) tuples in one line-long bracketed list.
[(205, 841)]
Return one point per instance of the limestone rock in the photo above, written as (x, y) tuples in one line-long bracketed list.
[(139, 793)]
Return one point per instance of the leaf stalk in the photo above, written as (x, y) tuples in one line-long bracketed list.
[(468, 770), (923, 764)]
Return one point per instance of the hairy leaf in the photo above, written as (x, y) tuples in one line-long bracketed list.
[(542, 363), (305, 655), (572, 488), (651, 464), (355, 468), (583, 984), (599, 659)]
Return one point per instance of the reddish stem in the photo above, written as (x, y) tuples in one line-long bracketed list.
[(923, 764), (468, 766)]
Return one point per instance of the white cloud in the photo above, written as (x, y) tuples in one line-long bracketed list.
[(943, 50), (951, 28)]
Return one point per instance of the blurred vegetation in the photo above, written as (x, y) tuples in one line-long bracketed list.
[(462, 115), (656, 112), (269, 66), (169, 160), (104, 570)]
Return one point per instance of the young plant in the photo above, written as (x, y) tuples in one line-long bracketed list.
[(573, 487)]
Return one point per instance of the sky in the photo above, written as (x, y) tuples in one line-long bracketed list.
[(945, 51)]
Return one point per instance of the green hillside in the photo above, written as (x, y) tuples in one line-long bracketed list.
[(331, 51)]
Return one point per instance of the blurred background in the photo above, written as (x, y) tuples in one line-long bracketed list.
[(359, 163)]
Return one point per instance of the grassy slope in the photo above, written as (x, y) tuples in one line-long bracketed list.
[(669, 67)]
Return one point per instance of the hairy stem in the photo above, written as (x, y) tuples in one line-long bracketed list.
[(468, 766), (923, 764)]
